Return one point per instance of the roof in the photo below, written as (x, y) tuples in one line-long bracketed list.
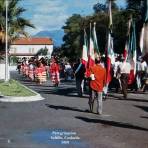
[(33, 41)]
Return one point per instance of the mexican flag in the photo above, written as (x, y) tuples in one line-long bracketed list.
[(144, 33), (85, 50), (96, 48), (132, 48), (110, 52), (91, 53), (110, 57), (132, 53), (125, 52), (142, 38)]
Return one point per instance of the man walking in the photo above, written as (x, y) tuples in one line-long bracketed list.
[(98, 81), (124, 69), (79, 71)]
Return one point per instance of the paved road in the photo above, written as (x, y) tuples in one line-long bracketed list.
[(63, 120)]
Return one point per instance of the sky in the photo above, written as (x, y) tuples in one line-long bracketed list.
[(52, 14)]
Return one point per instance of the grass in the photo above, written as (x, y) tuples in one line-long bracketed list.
[(14, 88)]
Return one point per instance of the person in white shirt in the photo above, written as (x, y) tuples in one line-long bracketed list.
[(115, 83), (143, 74), (68, 71), (125, 68), (138, 74)]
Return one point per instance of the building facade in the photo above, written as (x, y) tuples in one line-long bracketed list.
[(28, 47)]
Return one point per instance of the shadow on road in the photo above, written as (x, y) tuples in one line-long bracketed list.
[(145, 108), (112, 123), (48, 88), (69, 91), (66, 108), (128, 99), (144, 117)]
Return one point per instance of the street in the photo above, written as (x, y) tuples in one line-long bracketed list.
[(63, 120)]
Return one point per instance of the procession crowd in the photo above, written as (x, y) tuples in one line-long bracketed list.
[(123, 76)]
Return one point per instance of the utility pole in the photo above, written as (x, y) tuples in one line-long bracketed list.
[(6, 46)]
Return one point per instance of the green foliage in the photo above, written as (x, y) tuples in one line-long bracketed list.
[(73, 39), (134, 4), (72, 47), (57, 52), (14, 59), (42, 51), (104, 7), (120, 29)]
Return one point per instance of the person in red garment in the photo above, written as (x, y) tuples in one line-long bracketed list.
[(38, 72), (54, 72), (98, 81)]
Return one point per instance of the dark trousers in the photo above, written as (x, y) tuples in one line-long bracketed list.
[(79, 86), (124, 84)]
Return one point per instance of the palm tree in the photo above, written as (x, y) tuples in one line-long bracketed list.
[(15, 28), (16, 23)]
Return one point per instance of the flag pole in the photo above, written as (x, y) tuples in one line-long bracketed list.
[(6, 45)]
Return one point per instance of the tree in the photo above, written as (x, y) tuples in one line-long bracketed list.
[(99, 8), (15, 28), (57, 51), (72, 47), (104, 7), (133, 4), (42, 52), (137, 10), (16, 23), (73, 28)]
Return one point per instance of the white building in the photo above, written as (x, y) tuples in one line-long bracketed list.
[(28, 47)]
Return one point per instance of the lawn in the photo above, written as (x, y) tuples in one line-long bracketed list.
[(14, 88)]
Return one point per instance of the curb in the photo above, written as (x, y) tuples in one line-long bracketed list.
[(18, 99), (21, 99)]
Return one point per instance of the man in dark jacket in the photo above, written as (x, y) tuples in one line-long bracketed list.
[(79, 71)]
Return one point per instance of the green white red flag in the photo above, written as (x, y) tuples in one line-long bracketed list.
[(144, 33), (94, 35), (85, 50), (132, 53), (91, 53), (125, 52), (110, 52)]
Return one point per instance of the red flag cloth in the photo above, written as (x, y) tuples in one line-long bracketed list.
[(84, 56), (131, 77), (108, 79), (85, 52), (125, 51), (91, 53)]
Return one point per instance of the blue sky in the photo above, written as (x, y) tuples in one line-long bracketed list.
[(52, 14)]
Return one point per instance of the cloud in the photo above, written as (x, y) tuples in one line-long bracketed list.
[(52, 14), (46, 14)]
